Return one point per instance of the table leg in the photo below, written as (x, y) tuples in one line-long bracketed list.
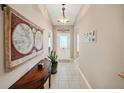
[(49, 80)]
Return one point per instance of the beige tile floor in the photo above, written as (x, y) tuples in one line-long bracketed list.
[(67, 77)]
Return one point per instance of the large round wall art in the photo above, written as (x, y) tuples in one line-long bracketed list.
[(38, 40), (23, 38)]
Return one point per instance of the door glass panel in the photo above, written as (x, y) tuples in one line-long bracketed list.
[(63, 41)]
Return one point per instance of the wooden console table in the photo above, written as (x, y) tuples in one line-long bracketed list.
[(35, 78)]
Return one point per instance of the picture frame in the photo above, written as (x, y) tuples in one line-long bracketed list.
[(89, 37), (23, 39)]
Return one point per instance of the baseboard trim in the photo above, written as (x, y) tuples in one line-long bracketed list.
[(86, 81)]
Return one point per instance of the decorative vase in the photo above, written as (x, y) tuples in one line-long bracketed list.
[(54, 68)]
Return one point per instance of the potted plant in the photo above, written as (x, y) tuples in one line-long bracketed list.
[(53, 59)]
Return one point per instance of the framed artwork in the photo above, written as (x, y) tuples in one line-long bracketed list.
[(23, 39), (89, 37)]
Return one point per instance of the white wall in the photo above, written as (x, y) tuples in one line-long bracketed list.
[(102, 61), (36, 15), (71, 31)]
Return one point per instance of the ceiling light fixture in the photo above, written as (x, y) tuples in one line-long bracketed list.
[(63, 19)]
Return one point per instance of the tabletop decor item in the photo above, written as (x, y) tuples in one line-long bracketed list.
[(53, 59), (40, 65)]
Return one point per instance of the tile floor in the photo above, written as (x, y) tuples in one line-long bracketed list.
[(67, 77)]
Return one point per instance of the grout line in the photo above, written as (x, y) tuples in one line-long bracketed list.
[(86, 81)]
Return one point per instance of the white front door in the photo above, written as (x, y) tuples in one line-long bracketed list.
[(63, 45)]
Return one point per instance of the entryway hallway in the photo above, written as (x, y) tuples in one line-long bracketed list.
[(67, 77), (93, 36)]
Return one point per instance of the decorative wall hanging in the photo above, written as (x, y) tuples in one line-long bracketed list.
[(89, 37), (23, 39)]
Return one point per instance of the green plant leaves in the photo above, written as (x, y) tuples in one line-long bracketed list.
[(53, 57)]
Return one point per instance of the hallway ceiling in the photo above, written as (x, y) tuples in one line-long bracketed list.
[(71, 11)]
